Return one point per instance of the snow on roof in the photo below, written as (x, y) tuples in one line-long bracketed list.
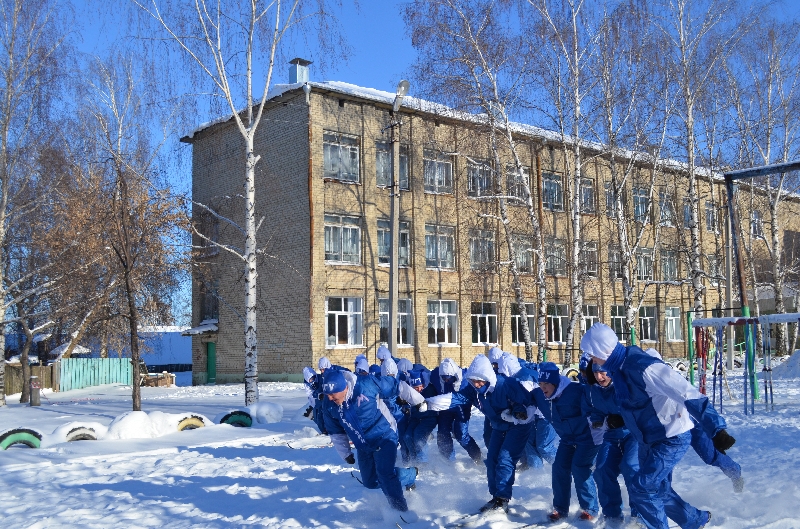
[(437, 109), (77, 350), (153, 329), (205, 327)]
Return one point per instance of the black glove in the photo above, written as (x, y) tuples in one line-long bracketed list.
[(723, 441), (400, 402), (350, 459), (597, 424), (614, 421), (521, 414), (321, 396), (308, 411)]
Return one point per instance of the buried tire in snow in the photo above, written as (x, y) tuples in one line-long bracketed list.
[(82, 433), (191, 422), (238, 418), (23, 436)]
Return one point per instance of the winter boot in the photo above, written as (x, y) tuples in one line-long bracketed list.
[(586, 516), (495, 504), (556, 516)]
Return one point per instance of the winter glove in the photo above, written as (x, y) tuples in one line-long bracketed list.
[(614, 421), (521, 414), (723, 441), (350, 459), (400, 402), (506, 416), (308, 411), (321, 396)]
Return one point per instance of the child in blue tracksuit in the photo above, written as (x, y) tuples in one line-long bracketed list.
[(619, 452), (658, 405), (559, 399), (447, 378), (355, 409), (313, 386), (494, 394), (420, 423)]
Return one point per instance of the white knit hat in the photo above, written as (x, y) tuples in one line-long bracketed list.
[(599, 341)]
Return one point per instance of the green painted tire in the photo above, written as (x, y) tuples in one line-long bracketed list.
[(238, 418), (20, 436), (81, 433), (191, 422)]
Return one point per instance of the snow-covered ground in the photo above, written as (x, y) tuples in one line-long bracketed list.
[(221, 476)]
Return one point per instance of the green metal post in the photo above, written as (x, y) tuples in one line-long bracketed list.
[(690, 335), (633, 335), (211, 362)]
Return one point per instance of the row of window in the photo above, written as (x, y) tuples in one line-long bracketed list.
[(343, 245), (345, 322), (341, 162)]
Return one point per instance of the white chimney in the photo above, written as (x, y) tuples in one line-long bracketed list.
[(298, 71)]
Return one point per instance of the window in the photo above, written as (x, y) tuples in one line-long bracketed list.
[(611, 200), (590, 317), (439, 244), (385, 242), (711, 217), (687, 214), (647, 324), (557, 321), (405, 328), (641, 204), (208, 226), (587, 196), (484, 323), (438, 172), (672, 324), (666, 210), (518, 182), (555, 255), (669, 266), (552, 192), (644, 264), (516, 323), (342, 239), (713, 270), (481, 250), (340, 155), (383, 165), (756, 224), (523, 253), (442, 322), (209, 300), (589, 259), (614, 262), (619, 321), (479, 179), (344, 321)]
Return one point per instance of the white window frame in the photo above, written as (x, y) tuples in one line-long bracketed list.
[(611, 202), (555, 255), (713, 270), (482, 256), (443, 321), (648, 327), (644, 264), (437, 170), (552, 192), (405, 321), (711, 217), (523, 253), (440, 242), (641, 204), (669, 265), (666, 210), (590, 316), (479, 179), (614, 262), (348, 315), (672, 324), (385, 243), (557, 321), (518, 184), (587, 201), (484, 322), (383, 165), (618, 322), (516, 323), (337, 227), (346, 148), (687, 214), (756, 224), (589, 258)]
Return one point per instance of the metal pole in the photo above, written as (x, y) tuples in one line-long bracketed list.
[(394, 228), (731, 331)]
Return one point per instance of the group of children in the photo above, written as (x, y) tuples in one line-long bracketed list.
[(629, 414)]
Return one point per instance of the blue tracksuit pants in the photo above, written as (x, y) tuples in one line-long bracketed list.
[(542, 443), (402, 425), (615, 457), (378, 471), (704, 447), (449, 426), (651, 489), (574, 461), (416, 437), (506, 447)]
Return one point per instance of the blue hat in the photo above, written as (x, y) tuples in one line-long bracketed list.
[(549, 372), (597, 368), (333, 382), (375, 369), (584, 363), (415, 378)]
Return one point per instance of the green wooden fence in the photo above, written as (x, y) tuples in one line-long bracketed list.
[(77, 373)]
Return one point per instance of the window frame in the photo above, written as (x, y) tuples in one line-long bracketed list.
[(672, 324), (647, 316), (480, 183), (482, 245), (433, 181), (332, 138), (555, 251), (385, 147), (516, 184), (523, 253), (586, 190), (483, 322), (447, 318), (590, 316), (404, 243), (343, 228), (669, 256), (552, 191), (711, 217), (516, 323), (641, 205), (619, 320), (440, 232), (644, 271), (555, 319), (405, 317), (349, 316), (589, 258), (756, 224), (666, 208), (614, 262)]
